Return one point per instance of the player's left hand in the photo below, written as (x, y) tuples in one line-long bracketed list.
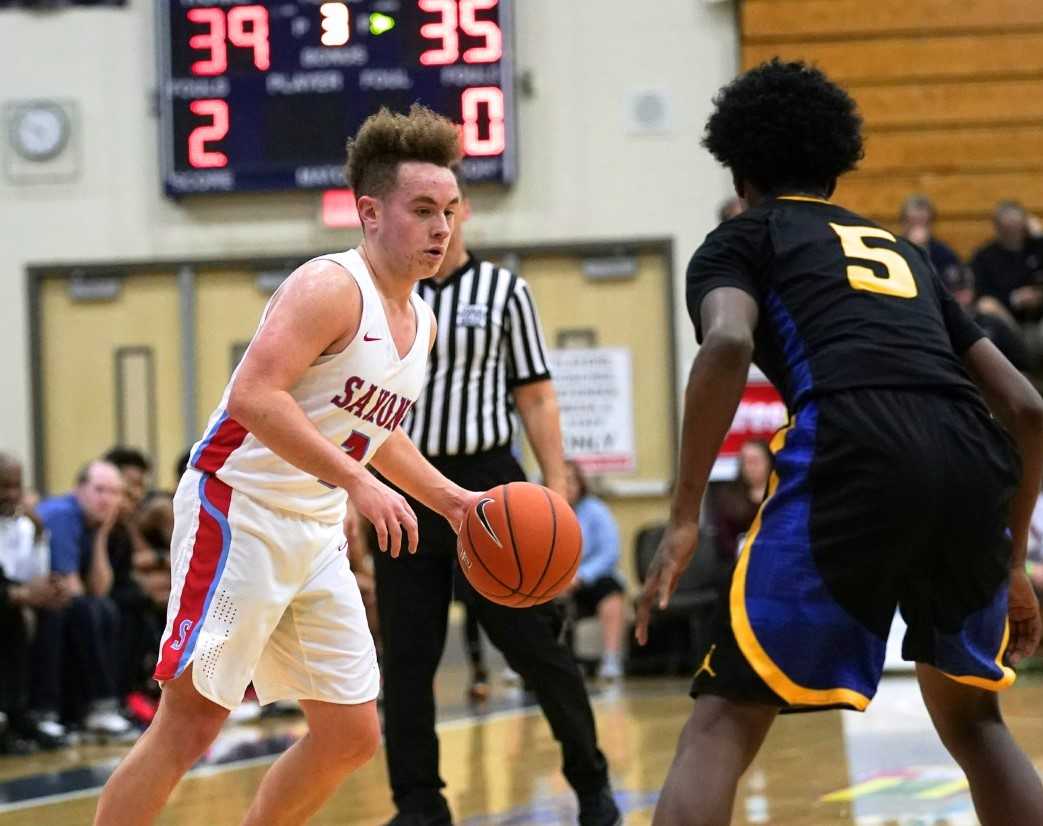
[(462, 502), (672, 557), (1023, 614)]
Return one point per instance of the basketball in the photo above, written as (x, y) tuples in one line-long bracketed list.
[(520, 545)]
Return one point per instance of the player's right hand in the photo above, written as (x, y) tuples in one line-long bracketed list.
[(1023, 614), (672, 557), (387, 511)]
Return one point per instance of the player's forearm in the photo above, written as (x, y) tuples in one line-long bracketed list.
[(279, 423), (715, 386), (99, 574), (401, 463), (537, 404), (1016, 404)]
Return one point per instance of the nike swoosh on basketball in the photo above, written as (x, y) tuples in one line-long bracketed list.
[(480, 510), (367, 337)]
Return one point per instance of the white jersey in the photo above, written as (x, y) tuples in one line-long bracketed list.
[(356, 398)]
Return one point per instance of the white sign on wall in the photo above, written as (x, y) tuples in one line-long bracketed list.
[(595, 393)]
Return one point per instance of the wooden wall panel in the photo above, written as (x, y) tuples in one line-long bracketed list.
[(951, 104), (951, 92), (964, 235), (970, 149), (913, 59), (778, 19), (955, 194)]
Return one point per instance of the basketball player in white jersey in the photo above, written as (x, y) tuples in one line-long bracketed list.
[(262, 588)]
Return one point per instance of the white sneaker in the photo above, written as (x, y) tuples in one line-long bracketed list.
[(51, 728), (245, 712), (108, 723), (610, 669), (510, 676)]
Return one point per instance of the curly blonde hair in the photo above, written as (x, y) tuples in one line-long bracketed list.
[(388, 138)]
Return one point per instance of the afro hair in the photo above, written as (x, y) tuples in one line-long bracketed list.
[(785, 127)]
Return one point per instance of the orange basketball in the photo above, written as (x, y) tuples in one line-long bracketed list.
[(520, 545)]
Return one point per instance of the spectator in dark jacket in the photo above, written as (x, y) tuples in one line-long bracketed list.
[(1010, 267), (75, 650), (25, 587)]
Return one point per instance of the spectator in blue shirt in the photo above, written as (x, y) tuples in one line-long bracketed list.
[(80, 639), (917, 219), (597, 590)]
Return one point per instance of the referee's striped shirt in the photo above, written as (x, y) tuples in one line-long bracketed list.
[(489, 341)]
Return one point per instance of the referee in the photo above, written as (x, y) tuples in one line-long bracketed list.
[(489, 359)]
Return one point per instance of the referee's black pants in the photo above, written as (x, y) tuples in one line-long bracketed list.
[(413, 597)]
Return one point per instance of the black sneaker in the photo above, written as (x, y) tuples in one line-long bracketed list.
[(599, 809)]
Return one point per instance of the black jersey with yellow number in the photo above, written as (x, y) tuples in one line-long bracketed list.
[(843, 303)]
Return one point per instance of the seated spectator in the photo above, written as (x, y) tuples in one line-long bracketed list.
[(25, 586), (141, 577), (734, 504), (1010, 267), (75, 655), (917, 219), (597, 590), (994, 319)]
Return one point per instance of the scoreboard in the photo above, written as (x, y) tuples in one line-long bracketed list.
[(264, 95)]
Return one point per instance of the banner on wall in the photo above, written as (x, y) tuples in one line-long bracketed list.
[(760, 413), (595, 394)]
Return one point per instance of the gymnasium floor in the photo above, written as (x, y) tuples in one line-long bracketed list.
[(884, 768)]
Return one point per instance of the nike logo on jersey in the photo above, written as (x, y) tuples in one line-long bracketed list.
[(480, 510), (368, 337)]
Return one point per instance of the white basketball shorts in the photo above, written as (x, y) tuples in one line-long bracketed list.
[(264, 596)]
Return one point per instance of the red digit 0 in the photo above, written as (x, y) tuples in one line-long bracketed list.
[(470, 101)]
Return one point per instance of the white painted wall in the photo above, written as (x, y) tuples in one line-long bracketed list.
[(582, 175)]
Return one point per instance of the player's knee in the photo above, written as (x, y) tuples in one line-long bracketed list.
[(200, 735), (368, 741), (351, 745), (966, 733)]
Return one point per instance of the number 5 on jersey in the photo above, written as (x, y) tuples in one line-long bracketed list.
[(899, 280)]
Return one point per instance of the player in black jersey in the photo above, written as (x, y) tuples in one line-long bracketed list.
[(893, 485)]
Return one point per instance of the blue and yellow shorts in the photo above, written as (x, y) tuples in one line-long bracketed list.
[(879, 499)]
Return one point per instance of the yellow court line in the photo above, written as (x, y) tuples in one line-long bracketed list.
[(873, 786), (944, 790)]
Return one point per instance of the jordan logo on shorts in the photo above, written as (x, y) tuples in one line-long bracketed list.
[(706, 664)]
